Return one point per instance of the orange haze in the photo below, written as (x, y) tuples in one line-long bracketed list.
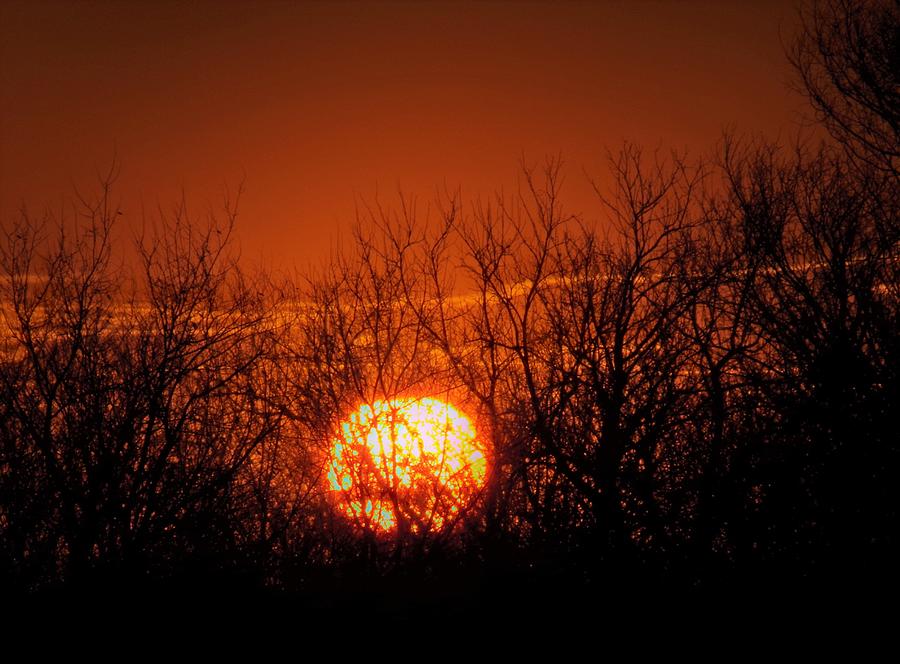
[(318, 106)]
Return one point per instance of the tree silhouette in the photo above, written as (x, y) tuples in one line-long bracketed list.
[(847, 58), (815, 272), (129, 407)]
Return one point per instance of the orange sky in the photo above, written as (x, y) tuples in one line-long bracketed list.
[(316, 107)]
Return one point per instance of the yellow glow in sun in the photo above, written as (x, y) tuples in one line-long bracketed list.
[(411, 462)]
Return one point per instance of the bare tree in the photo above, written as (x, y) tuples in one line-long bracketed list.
[(848, 59), (810, 302), (572, 342), (358, 344), (133, 403), (622, 383)]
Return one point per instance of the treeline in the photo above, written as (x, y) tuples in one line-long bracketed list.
[(695, 385)]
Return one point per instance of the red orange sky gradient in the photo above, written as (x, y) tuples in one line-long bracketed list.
[(317, 106)]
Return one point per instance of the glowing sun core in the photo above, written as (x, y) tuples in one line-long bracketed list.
[(416, 462)]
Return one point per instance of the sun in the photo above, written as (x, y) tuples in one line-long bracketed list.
[(412, 464)]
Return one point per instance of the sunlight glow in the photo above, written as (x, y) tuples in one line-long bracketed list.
[(415, 463)]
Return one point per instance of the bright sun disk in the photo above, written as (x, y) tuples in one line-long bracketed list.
[(415, 462)]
